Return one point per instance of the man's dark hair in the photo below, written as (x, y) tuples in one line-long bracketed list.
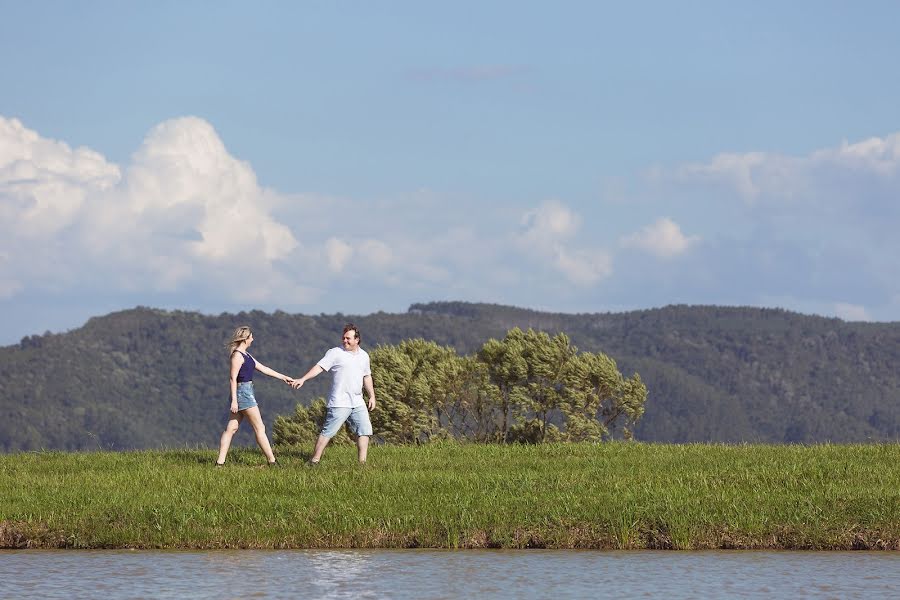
[(354, 329)]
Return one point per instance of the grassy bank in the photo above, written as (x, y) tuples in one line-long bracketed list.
[(614, 495)]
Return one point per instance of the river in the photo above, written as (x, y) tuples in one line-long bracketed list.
[(110, 575)]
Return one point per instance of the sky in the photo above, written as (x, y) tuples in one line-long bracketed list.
[(356, 157)]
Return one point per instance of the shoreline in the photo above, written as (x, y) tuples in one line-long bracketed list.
[(611, 496)]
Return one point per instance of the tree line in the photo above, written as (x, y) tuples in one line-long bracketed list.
[(150, 378), (528, 387)]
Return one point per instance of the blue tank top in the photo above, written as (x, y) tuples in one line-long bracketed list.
[(246, 372)]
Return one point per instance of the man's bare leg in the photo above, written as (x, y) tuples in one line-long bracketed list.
[(319, 449), (362, 443)]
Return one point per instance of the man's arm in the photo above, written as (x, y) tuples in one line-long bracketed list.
[(370, 389), (298, 383)]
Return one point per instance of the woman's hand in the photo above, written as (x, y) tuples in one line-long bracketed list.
[(234, 407)]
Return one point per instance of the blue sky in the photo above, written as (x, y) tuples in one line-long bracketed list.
[(361, 156)]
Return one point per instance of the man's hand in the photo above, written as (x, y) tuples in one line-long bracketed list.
[(372, 403), (297, 383)]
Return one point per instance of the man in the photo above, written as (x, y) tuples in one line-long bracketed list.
[(350, 366)]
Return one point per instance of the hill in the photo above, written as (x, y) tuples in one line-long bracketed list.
[(146, 378)]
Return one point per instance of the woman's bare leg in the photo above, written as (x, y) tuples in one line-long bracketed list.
[(225, 443), (259, 428)]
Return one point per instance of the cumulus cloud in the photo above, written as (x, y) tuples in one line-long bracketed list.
[(803, 227), (663, 239), (584, 267), (875, 155), (546, 233), (337, 253), (186, 221), (376, 254), (550, 222), (763, 176), (45, 183), (184, 209)]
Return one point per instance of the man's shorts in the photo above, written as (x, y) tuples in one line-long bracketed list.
[(357, 417)]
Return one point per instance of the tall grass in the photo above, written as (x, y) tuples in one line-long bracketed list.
[(612, 495)]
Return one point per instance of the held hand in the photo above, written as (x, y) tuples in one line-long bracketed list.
[(297, 384), (288, 380)]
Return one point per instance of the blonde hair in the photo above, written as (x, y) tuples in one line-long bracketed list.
[(240, 335)]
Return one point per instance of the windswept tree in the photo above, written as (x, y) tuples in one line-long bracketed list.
[(598, 397), (412, 382), (507, 369), (473, 409), (548, 360)]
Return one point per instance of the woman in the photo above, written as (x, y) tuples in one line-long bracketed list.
[(243, 402)]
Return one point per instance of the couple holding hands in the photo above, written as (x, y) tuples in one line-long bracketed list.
[(348, 363)]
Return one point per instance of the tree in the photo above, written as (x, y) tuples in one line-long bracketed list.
[(507, 369), (548, 361), (472, 410), (412, 381), (597, 396)]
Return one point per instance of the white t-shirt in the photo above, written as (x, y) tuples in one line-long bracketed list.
[(349, 369)]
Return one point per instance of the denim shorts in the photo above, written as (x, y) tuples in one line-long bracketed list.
[(245, 396), (358, 418)]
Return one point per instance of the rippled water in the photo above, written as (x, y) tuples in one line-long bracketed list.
[(447, 574)]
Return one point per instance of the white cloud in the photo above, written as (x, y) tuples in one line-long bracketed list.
[(549, 222), (183, 211), (186, 222), (876, 155), (183, 166), (584, 267), (376, 254), (763, 176), (45, 183), (663, 239), (337, 253), (851, 312), (547, 230)]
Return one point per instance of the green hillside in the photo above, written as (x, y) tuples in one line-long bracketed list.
[(147, 378)]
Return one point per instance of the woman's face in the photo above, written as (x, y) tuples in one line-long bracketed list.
[(249, 339)]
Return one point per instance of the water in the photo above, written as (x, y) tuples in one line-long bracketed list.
[(417, 574)]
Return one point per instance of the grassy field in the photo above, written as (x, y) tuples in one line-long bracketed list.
[(615, 495)]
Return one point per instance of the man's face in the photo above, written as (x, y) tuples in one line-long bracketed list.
[(350, 341)]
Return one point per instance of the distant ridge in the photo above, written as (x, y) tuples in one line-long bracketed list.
[(147, 377)]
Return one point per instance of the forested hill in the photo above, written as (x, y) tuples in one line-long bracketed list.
[(148, 378)]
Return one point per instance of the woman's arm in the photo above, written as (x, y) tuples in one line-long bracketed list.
[(272, 373), (237, 359)]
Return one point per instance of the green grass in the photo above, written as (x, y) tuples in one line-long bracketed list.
[(613, 495)]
